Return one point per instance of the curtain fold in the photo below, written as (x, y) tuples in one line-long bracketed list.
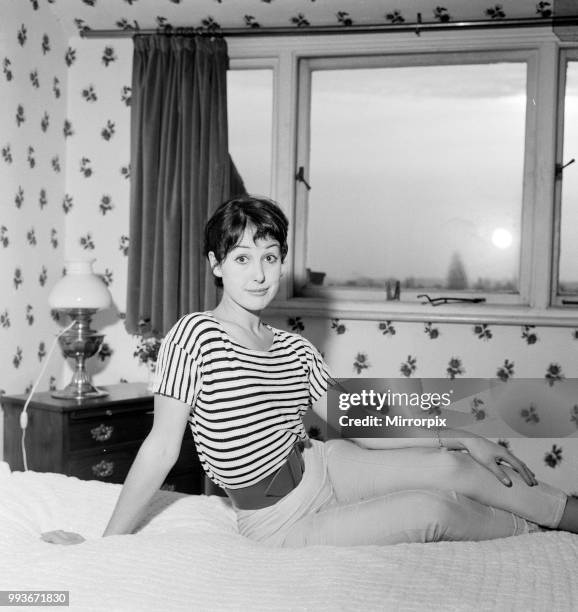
[(181, 172)]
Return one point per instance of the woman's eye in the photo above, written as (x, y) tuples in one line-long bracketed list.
[(241, 259), (272, 258)]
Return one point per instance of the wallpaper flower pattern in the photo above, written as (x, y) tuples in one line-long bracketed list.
[(32, 155), (212, 15), (65, 172)]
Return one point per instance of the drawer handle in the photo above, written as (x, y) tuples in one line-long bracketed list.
[(102, 433), (103, 469)]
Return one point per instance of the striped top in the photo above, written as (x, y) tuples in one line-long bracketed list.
[(246, 404)]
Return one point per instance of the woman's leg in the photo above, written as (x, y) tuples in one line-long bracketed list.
[(357, 473), (403, 517)]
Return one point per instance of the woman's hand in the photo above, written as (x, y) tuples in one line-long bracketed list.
[(62, 537), (490, 455)]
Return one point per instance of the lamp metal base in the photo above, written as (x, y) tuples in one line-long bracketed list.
[(79, 392), (80, 342)]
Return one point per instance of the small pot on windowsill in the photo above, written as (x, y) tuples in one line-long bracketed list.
[(315, 278)]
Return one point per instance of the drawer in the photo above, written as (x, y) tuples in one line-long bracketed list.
[(108, 466), (107, 429), (112, 465)]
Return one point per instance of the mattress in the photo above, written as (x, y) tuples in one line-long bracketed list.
[(187, 555)]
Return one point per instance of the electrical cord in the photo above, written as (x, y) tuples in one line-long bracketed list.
[(24, 413)]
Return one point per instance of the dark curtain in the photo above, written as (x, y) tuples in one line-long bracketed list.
[(180, 172)]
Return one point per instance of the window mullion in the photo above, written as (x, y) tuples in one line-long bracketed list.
[(285, 129), (303, 111), (541, 202), (556, 243)]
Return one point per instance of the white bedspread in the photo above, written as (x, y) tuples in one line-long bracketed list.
[(188, 556)]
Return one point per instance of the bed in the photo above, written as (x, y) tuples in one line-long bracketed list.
[(187, 555)]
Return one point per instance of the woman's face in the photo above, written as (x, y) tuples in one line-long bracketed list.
[(251, 271)]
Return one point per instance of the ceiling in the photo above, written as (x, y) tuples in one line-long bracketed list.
[(75, 15)]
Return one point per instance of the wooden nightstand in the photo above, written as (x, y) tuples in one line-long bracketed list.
[(95, 439)]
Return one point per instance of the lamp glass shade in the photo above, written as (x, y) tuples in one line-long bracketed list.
[(80, 288)]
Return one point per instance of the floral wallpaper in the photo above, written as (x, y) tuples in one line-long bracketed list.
[(32, 176), (66, 174), (79, 15), (375, 349), (97, 185)]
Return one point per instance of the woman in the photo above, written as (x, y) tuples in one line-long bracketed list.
[(244, 387)]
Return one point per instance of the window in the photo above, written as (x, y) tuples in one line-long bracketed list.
[(425, 161), (250, 112), (428, 160)]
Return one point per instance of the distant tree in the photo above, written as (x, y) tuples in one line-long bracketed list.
[(481, 284), (457, 277)]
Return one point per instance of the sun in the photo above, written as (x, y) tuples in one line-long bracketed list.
[(502, 238)]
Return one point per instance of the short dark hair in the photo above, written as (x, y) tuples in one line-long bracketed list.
[(225, 228)]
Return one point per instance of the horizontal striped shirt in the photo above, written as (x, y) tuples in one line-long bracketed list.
[(246, 405)]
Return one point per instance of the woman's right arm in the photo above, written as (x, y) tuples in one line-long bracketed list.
[(156, 456)]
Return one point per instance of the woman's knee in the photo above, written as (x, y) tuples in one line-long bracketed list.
[(439, 513)]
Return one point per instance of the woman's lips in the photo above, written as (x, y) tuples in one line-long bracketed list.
[(258, 291)]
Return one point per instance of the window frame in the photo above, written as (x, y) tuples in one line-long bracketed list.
[(542, 48), (308, 65), (566, 54)]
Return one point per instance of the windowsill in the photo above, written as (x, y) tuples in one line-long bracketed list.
[(497, 314)]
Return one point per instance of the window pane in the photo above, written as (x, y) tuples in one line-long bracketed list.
[(250, 110), (417, 175), (568, 272)]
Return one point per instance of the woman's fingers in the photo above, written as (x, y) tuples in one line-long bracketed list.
[(521, 468), (62, 537), (517, 465), (499, 473), (491, 455)]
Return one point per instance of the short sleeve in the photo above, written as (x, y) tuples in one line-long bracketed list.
[(178, 373), (318, 372)]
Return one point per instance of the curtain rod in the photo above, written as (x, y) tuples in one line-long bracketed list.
[(416, 27)]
